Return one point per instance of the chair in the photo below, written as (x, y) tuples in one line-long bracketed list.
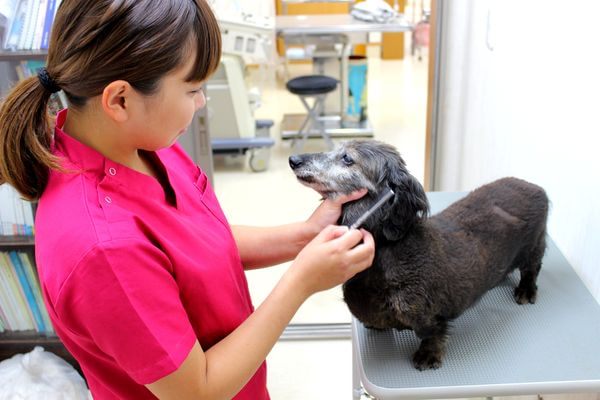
[(316, 87)]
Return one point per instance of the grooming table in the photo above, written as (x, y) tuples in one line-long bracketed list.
[(497, 347)]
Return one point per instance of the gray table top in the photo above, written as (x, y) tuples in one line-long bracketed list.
[(497, 347), (321, 24)]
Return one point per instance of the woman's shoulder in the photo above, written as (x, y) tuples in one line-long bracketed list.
[(97, 264)]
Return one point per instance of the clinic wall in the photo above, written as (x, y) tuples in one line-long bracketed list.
[(520, 96)]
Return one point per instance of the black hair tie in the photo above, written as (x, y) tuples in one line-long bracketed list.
[(46, 81)]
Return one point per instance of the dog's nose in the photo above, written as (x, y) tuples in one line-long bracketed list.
[(295, 161)]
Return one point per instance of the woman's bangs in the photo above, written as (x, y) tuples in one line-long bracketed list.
[(207, 36)]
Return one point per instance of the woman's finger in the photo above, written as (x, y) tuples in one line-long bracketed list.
[(364, 250), (350, 238), (331, 232)]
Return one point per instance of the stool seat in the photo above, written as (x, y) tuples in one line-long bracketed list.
[(312, 85)]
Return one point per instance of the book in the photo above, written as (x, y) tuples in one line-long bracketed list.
[(38, 30), (28, 263), (26, 22), (3, 317), (7, 314), (24, 315), (3, 211), (8, 9), (18, 215), (28, 217), (10, 306), (6, 210), (48, 20), (17, 25), (56, 7), (27, 35), (27, 291)]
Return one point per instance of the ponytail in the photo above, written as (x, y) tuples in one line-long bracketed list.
[(25, 139)]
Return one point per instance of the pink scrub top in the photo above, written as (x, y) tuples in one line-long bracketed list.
[(134, 274)]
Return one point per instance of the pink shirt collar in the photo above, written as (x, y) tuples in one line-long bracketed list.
[(80, 158)]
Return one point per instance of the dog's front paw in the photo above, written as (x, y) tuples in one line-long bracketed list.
[(427, 359), (525, 295)]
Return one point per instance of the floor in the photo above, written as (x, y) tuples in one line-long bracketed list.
[(396, 108), (397, 100)]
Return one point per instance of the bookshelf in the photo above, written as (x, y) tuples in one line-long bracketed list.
[(23, 341), (16, 241), (19, 55)]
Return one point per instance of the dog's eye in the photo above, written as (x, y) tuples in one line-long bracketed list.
[(347, 159)]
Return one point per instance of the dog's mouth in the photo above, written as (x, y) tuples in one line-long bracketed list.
[(306, 179), (310, 181)]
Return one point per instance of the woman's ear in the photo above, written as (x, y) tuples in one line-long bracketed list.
[(117, 99)]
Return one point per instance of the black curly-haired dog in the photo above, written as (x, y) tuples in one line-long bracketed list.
[(428, 270)]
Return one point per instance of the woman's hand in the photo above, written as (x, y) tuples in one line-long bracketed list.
[(330, 210), (332, 257), (263, 246)]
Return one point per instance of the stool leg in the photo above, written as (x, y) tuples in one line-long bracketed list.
[(319, 105), (315, 118), (300, 138), (306, 126)]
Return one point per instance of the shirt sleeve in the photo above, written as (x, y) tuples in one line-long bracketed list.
[(123, 297)]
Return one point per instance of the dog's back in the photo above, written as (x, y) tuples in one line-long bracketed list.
[(502, 206), (499, 225)]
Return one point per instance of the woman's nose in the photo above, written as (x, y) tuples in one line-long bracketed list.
[(200, 100)]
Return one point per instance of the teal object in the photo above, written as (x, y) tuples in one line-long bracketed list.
[(357, 82)]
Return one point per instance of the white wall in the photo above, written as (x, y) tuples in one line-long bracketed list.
[(520, 96)]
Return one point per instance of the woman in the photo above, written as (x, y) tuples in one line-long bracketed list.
[(142, 275)]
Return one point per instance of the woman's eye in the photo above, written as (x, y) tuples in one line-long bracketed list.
[(347, 159), (197, 91)]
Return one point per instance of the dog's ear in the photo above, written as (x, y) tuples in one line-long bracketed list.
[(410, 203)]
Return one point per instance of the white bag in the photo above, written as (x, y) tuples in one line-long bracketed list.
[(373, 11), (40, 375)]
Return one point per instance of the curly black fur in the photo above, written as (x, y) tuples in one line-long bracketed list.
[(428, 270)]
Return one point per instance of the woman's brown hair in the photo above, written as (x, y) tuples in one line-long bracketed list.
[(93, 43)]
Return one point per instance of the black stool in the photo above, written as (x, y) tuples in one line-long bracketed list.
[(316, 87)]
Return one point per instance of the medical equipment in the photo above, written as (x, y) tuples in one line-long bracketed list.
[(246, 38), (233, 127)]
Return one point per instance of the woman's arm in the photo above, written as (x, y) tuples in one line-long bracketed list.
[(332, 257), (265, 246)]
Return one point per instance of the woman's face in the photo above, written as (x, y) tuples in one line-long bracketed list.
[(165, 115)]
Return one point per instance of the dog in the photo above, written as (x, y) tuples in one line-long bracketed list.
[(428, 270)]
